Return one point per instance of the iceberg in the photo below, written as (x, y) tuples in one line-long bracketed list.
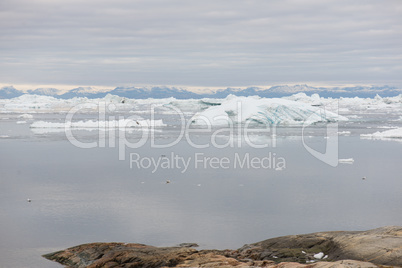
[(273, 111), (384, 135)]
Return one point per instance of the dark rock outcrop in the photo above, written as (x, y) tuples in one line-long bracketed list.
[(115, 254), (382, 246)]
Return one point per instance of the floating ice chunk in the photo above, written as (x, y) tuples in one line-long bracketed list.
[(388, 134), (346, 161), (319, 255), (344, 133), (26, 116), (4, 136), (354, 116), (387, 127), (21, 122), (88, 124), (41, 131)]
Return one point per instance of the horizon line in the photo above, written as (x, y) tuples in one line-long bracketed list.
[(195, 89)]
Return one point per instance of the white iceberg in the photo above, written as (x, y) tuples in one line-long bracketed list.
[(388, 134), (346, 161), (237, 110)]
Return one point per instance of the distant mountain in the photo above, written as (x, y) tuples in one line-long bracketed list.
[(9, 92), (285, 90), (154, 92), (179, 93), (88, 92), (223, 93), (45, 91), (359, 91)]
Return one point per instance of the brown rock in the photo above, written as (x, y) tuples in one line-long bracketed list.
[(382, 246), (123, 255), (322, 264)]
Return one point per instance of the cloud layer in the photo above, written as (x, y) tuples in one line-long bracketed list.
[(200, 43)]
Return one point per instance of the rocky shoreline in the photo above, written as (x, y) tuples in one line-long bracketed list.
[(381, 247)]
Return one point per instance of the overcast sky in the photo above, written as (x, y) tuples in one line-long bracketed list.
[(200, 43)]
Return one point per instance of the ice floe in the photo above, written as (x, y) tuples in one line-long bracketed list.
[(346, 161), (26, 116), (87, 124), (345, 133), (388, 134)]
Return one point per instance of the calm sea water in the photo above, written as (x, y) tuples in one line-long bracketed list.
[(89, 195)]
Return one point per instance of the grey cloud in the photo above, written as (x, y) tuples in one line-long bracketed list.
[(208, 43)]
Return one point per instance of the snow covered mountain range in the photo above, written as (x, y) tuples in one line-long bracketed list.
[(180, 93)]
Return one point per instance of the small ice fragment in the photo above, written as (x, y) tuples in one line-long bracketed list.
[(319, 255), (349, 161), (198, 185), (21, 122), (325, 257), (26, 116), (303, 252), (275, 257)]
